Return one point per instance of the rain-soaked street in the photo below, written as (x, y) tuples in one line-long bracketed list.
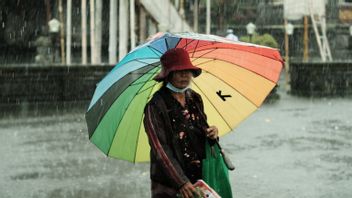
[(294, 147), (59, 56)]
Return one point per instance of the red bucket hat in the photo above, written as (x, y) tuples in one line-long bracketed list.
[(174, 60)]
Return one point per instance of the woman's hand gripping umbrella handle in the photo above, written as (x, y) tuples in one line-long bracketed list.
[(227, 161)]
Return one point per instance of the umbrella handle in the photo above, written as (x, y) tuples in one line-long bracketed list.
[(227, 160)]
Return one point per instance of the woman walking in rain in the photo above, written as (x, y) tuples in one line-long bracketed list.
[(175, 123)]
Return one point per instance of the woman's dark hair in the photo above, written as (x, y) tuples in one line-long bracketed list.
[(167, 79)]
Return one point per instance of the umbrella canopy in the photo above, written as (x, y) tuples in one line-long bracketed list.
[(236, 79)]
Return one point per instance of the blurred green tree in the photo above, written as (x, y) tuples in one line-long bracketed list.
[(265, 39)]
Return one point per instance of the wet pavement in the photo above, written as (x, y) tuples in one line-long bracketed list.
[(293, 147)]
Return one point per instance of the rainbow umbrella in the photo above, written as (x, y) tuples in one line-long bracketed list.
[(236, 79)]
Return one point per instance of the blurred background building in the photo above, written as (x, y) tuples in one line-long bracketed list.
[(25, 36)]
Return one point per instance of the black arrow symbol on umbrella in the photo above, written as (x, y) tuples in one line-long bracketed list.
[(222, 96)]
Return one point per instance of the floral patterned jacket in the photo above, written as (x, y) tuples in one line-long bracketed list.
[(167, 159)]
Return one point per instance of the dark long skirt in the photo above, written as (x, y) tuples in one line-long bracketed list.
[(162, 191)]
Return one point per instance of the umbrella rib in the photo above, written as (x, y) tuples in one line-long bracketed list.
[(143, 81), (195, 48), (151, 72), (141, 73), (210, 43), (155, 49), (178, 42), (204, 54), (167, 44), (138, 60), (155, 64), (179, 39), (114, 99), (139, 92), (147, 88), (132, 84), (210, 60), (122, 118), (127, 62), (184, 47), (231, 87), (147, 64), (187, 44), (141, 59), (239, 67), (244, 51), (212, 104)]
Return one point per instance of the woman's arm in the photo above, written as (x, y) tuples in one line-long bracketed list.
[(212, 131), (157, 135)]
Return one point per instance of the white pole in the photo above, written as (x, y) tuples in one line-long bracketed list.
[(62, 34), (177, 4), (92, 33), (98, 30), (132, 24), (123, 28), (142, 23), (68, 31), (182, 14), (84, 31), (113, 32), (195, 16), (208, 17)]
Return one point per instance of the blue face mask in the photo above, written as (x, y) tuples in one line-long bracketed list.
[(175, 89)]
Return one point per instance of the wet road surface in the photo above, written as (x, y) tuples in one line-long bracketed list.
[(294, 147)]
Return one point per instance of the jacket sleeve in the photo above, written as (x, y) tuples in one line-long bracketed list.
[(201, 106), (157, 135)]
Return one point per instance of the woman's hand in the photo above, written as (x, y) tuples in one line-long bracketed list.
[(212, 132), (188, 190)]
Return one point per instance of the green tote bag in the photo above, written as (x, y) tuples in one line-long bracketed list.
[(215, 172)]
